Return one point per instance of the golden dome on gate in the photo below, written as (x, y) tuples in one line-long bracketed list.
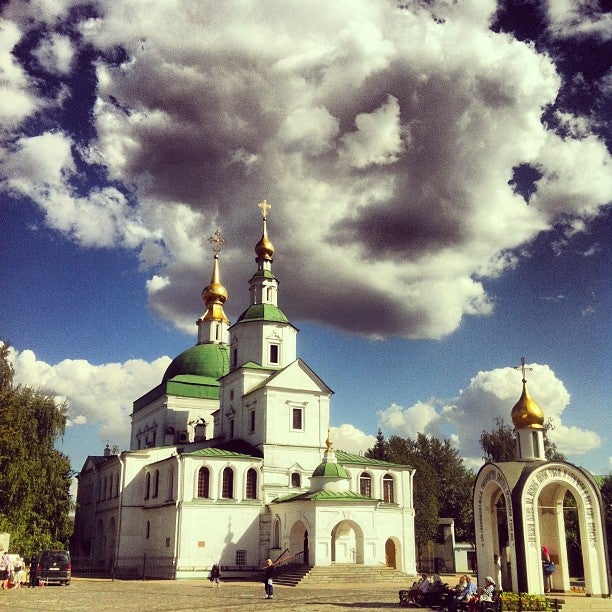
[(264, 248), (526, 413)]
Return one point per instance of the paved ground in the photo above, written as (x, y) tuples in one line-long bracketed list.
[(89, 594)]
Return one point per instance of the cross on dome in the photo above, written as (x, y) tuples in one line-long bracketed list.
[(217, 240), (523, 368), (265, 207)]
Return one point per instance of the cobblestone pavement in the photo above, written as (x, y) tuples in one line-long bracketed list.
[(124, 595)]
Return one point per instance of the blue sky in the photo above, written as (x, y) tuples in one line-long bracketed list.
[(440, 183)]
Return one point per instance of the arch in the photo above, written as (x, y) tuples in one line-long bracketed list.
[(204, 482), (347, 542), (298, 540), (227, 484), (156, 484), (542, 501), (251, 484), (296, 480), (365, 484), (276, 533), (99, 542), (170, 484), (390, 553)]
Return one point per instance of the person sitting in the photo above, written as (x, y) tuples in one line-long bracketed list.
[(483, 595), (416, 592), (463, 596), (435, 592)]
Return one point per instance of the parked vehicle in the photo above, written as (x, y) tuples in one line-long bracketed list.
[(54, 567)]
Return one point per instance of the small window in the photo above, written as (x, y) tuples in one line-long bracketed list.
[(231, 431), (274, 351), (227, 489), (365, 484), (156, 484), (147, 490), (203, 482), (296, 480), (251, 484), (241, 557), (170, 484), (231, 394), (148, 530), (276, 534), (388, 492), (297, 418), (252, 421), (234, 358)]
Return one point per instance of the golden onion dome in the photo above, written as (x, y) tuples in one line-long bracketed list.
[(526, 414), (214, 295), (264, 248)]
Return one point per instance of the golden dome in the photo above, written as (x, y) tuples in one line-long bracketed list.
[(214, 295), (264, 248), (526, 414)]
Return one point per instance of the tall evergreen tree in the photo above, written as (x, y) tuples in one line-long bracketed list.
[(34, 477)]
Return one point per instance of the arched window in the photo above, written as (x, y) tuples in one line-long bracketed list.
[(156, 484), (147, 485), (276, 534), (296, 480), (365, 484), (203, 482), (171, 484), (148, 530), (227, 489), (251, 484), (388, 493)]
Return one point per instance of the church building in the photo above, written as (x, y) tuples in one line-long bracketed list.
[(231, 461)]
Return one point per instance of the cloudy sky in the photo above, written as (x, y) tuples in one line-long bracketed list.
[(439, 175)]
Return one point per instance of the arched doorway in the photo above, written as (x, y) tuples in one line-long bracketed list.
[(347, 543), (298, 541), (390, 554), (566, 524)]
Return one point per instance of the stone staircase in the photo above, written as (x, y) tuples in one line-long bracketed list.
[(570, 602), (341, 573)]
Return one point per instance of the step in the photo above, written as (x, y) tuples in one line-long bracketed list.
[(343, 573), (581, 603)]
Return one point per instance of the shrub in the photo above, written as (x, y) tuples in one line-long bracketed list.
[(528, 603)]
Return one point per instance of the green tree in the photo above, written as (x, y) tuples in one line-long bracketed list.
[(499, 445), (606, 495), (442, 487), (379, 450), (34, 477)]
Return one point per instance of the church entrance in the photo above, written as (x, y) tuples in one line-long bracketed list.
[(347, 543), (298, 541), (390, 556)]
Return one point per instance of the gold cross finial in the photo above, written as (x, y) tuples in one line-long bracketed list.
[(265, 207), (523, 368), (217, 240)]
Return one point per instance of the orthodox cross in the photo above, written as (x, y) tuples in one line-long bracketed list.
[(217, 240), (523, 368), (265, 207)]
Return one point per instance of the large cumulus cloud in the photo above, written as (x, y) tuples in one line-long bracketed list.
[(385, 139)]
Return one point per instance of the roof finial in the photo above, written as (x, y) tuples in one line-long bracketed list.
[(328, 442), (265, 207), (217, 240), (523, 368)]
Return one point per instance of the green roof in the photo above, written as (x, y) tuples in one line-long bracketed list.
[(218, 452), (349, 459), (263, 312), (263, 274), (207, 360), (330, 470), (344, 496)]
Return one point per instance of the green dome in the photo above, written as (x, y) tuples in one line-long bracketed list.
[(330, 470), (210, 360)]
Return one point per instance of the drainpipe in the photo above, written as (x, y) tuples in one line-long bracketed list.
[(121, 487)]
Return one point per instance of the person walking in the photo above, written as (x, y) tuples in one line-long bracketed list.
[(5, 570), (269, 579), (215, 575)]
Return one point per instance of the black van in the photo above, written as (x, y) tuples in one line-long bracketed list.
[(54, 567)]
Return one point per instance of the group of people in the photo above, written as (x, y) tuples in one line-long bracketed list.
[(464, 596), (12, 571), (269, 569)]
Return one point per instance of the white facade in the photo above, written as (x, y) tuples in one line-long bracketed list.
[(229, 479)]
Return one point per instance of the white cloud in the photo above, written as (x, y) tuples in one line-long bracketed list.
[(96, 394), (350, 439), (55, 54), (384, 139), (490, 396), (571, 18)]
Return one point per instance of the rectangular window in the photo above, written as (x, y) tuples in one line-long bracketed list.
[(231, 431), (241, 557), (274, 351), (297, 418), (252, 421)]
